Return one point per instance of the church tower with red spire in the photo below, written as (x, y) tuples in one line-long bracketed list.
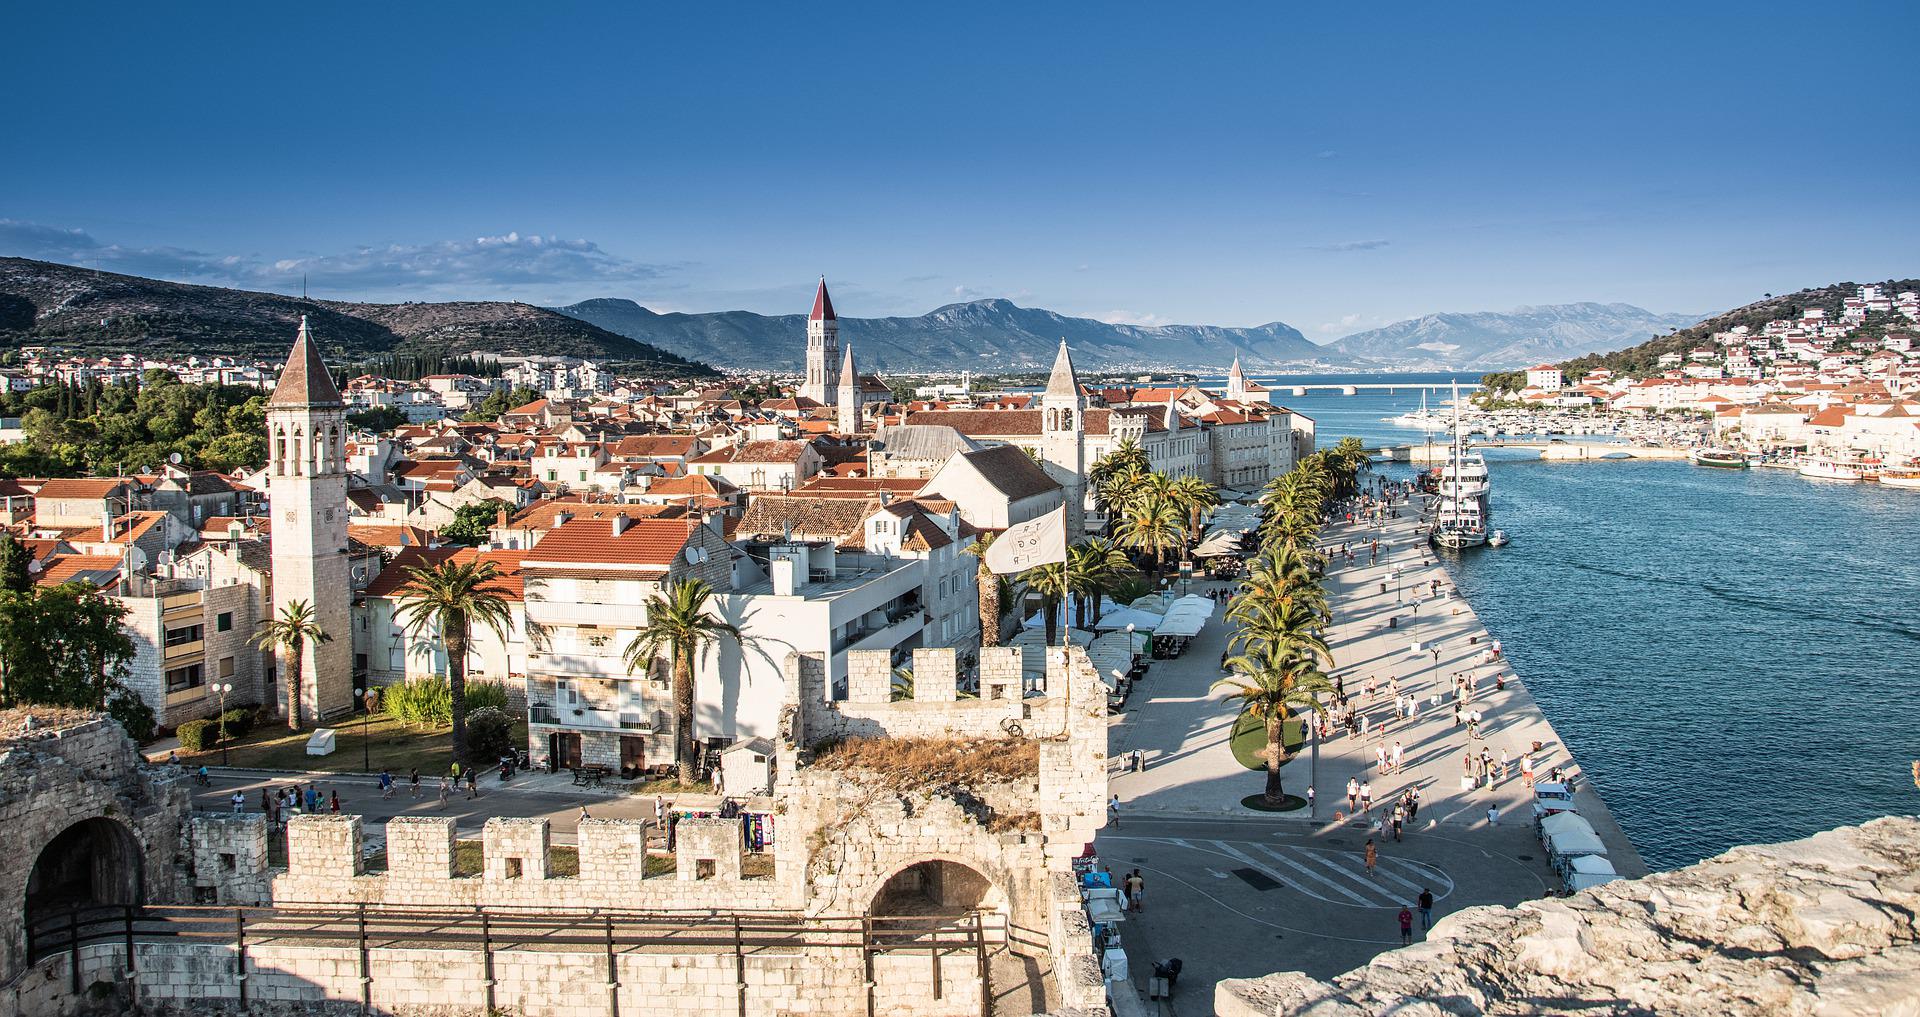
[(823, 350)]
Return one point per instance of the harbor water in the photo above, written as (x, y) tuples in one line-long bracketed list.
[(1729, 653)]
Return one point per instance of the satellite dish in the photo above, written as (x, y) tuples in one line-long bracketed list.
[(174, 458)]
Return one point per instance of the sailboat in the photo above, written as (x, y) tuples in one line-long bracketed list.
[(1460, 517)]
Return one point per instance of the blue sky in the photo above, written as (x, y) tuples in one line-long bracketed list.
[(1332, 166)]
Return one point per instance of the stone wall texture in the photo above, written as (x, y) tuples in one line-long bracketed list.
[(1821, 927)]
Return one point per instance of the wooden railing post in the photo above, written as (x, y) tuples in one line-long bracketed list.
[(866, 961), (613, 974), (366, 972), (486, 955), (739, 968), (240, 953), (980, 958)]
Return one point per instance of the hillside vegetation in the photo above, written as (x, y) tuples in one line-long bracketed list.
[(1644, 359), (46, 304)]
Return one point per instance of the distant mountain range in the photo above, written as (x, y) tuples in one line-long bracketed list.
[(984, 335), (997, 335), (42, 303), (1498, 341)]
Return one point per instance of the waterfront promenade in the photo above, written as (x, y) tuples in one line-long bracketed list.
[(1236, 892)]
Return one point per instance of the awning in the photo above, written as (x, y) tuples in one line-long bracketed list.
[(1574, 842), (1109, 653), (1120, 618), (1591, 865)]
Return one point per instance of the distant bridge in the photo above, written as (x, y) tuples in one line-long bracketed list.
[(1300, 390)]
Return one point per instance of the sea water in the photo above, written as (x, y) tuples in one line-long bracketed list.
[(1729, 654)]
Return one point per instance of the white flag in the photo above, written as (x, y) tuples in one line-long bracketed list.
[(1041, 541)]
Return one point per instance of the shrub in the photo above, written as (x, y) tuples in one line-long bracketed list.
[(238, 721), (197, 735), (423, 702), (133, 714), (489, 733), (485, 695)]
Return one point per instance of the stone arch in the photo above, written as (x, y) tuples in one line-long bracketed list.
[(936, 885), (94, 861)]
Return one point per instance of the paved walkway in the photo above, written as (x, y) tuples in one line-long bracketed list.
[(1182, 728)]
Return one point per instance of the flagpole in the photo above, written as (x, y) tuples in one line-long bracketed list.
[(1066, 589)]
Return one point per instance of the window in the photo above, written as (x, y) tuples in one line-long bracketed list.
[(583, 476), (553, 475), (183, 636), (226, 668), (181, 679), (223, 622)]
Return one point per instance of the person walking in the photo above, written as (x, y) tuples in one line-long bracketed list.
[(333, 803), (1399, 816), (584, 814), (1113, 811), (445, 789), (1366, 795), (1399, 756), (386, 784), (1353, 795), (413, 779), (239, 802), (1309, 799), (1380, 758), (1406, 925), (473, 782), (1426, 910), (1136, 887), (1372, 857)]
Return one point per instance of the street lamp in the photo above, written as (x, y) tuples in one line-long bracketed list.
[(1129, 644), (222, 689), (367, 698)]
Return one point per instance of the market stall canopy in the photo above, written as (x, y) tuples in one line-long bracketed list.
[(1561, 822), (1109, 653), (1575, 842), (1218, 544), (1120, 618), (1186, 617), (1591, 865)]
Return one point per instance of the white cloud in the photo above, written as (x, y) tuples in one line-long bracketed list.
[(1352, 245), (1122, 317), (476, 267)]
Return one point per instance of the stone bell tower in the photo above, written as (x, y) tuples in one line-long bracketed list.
[(307, 494), (1063, 439), (823, 350)]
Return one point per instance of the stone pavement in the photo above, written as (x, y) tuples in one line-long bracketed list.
[(1182, 728)]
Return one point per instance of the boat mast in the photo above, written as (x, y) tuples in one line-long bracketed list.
[(1457, 467)]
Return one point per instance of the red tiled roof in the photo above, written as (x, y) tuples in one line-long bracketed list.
[(644, 445), (78, 487), (651, 543), (395, 577), (69, 566), (822, 304)]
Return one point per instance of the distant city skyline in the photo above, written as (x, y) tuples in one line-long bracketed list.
[(1336, 169)]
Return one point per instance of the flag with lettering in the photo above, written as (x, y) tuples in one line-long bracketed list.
[(1041, 541)]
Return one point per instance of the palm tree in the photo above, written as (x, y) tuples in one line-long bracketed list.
[(677, 622), (1116, 488), (1093, 569), (902, 685), (445, 600), (989, 587), (1199, 499), (1152, 522), (1050, 582), (1272, 686), (296, 626)]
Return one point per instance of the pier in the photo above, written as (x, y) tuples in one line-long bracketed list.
[(1557, 451)]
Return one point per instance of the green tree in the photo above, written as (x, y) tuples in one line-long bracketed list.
[(15, 576), (288, 635), (445, 600), (377, 419), (1272, 685), (65, 646), (231, 453), (990, 586), (678, 623), (1094, 568), (472, 523), (1153, 523)]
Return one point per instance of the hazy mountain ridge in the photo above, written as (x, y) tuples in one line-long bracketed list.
[(43, 303), (984, 335), (1503, 340)]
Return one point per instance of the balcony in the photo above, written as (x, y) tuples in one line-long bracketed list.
[(606, 663), (583, 718)]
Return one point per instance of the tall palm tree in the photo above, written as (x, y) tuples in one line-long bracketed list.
[(1112, 492), (296, 626), (1154, 524), (1199, 499), (445, 600), (988, 583), (677, 622), (1272, 686), (1093, 569), (1051, 583), (1290, 628)]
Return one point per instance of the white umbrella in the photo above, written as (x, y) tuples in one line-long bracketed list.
[(1120, 618)]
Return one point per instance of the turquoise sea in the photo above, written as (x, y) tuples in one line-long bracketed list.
[(1730, 654)]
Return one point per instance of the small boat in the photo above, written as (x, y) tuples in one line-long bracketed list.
[(1498, 539), (1905, 479), (1819, 468), (1724, 458)]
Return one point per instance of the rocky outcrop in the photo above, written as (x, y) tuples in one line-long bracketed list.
[(1823, 927)]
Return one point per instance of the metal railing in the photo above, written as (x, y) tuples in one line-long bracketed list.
[(491, 929)]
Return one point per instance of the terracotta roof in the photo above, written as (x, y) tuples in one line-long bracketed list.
[(694, 485), (822, 304), (823, 486), (646, 445), (394, 578), (378, 535), (784, 452), (83, 487), (923, 534), (541, 515), (1011, 472), (306, 381), (835, 519), (99, 569), (651, 543)]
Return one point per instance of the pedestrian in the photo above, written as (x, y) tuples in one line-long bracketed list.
[(1406, 925), (444, 789), (1426, 910), (1309, 799), (1139, 761), (1456, 712), (1399, 816), (1399, 755), (1505, 761), (413, 779), (1380, 758), (1353, 795), (659, 812), (239, 802), (1493, 815), (1135, 886), (266, 800), (473, 783), (1366, 795), (1372, 855), (1113, 811), (333, 804), (1526, 769), (386, 784), (1415, 810), (313, 799), (584, 814)]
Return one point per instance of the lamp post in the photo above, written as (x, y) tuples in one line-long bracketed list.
[(1129, 645), (222, 689), (366, 697)]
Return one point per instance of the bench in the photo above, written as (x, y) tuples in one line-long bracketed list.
[(589, 776)]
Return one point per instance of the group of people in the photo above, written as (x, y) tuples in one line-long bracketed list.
[(282, 803)]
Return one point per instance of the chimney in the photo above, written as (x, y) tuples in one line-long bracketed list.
[(619, 523), (781, 570), (562, 518), (500, 517)]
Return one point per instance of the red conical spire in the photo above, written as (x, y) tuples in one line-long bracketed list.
[(822, 304)]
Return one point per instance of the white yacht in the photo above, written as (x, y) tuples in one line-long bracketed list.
[(1462, 510)]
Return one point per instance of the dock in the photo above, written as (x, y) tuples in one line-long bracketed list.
[(1387, 624), (1557, 451)]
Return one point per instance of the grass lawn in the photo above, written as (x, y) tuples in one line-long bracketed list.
[(389, 744), (670, 786), (1250, 741)]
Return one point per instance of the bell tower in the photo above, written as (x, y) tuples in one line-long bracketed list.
[(823, 350), (307, 494), (1063, 438)]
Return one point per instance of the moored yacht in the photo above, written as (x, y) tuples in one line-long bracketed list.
[(1462, 509), (1724, 458), (1828, 468)]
